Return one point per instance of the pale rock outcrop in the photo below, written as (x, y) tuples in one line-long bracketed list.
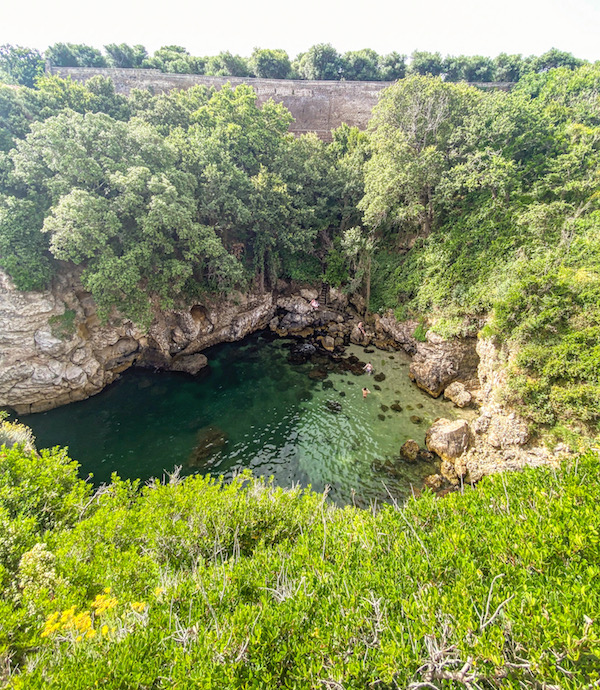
[(41, 369), (337, 299), (499, 438), (437, 363), (458, 393), (308, 294), (402, 332), (448, 439)]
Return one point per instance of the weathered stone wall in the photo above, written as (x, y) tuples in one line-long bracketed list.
[(317, 106)]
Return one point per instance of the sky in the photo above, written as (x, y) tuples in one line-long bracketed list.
[(467, 27)]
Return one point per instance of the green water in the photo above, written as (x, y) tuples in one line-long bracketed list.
[(255, 410)]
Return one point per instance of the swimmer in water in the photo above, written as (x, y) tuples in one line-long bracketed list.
[(365, 392), (368, 368)]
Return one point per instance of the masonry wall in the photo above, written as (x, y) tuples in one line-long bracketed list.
[(317, 106)]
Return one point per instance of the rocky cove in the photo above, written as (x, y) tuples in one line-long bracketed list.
[(55, 350)]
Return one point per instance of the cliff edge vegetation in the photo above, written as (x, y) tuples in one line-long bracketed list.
[(192, 583)]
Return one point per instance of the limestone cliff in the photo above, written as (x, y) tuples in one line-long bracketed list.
[(54, 349)]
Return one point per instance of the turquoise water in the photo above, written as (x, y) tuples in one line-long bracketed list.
[(255, 410)]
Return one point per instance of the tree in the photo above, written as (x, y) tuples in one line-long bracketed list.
[(175, 59), (270, 64), (121, 207), (411, 128), (359, 245), (468, 68), (424, 63), (124, 55), (227, 65), (554, 58), (509, 67), (20, 65), (96, 95), (321, 61), (361, 65), (74, 55), (392, 67)]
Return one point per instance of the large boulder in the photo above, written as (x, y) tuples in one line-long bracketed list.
[(448, 439), (437, 363), (189, 364), (459, 395)]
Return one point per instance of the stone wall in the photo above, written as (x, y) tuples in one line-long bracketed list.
[(317, 106)]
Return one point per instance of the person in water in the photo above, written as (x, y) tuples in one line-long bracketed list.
[(368, 368), (365, 392)]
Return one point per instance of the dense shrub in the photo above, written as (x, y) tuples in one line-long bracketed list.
[(246, 585)]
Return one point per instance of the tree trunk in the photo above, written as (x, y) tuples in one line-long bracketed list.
[(368, 278)]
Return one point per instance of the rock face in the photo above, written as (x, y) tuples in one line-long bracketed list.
[(54, 349), (498, 438), (189, 364), (438, 363)]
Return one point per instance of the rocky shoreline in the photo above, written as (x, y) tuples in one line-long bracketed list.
[(54, 350)]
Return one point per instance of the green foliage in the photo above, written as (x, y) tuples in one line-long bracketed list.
[(20, 65), (123, 55), (63, 325), (420, 332), (225, 64), (321, 61), (270, 64), (300, 266), (23, 249), (245, 585), (336, 272), (361, 65), (74, 55), (498, 213)]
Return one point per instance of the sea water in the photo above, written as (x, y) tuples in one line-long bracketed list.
[(254, 409)]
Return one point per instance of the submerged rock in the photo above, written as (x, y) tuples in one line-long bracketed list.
[(409, 450), (381, 416), (415, 419), (210, 441), (189, 364), (379, 377), (334, 406), (384, 408), (301, 353), (396, 407), (327, 384), (317, 374)]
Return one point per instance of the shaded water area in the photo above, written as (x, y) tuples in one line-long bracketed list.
[(256, 410)]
